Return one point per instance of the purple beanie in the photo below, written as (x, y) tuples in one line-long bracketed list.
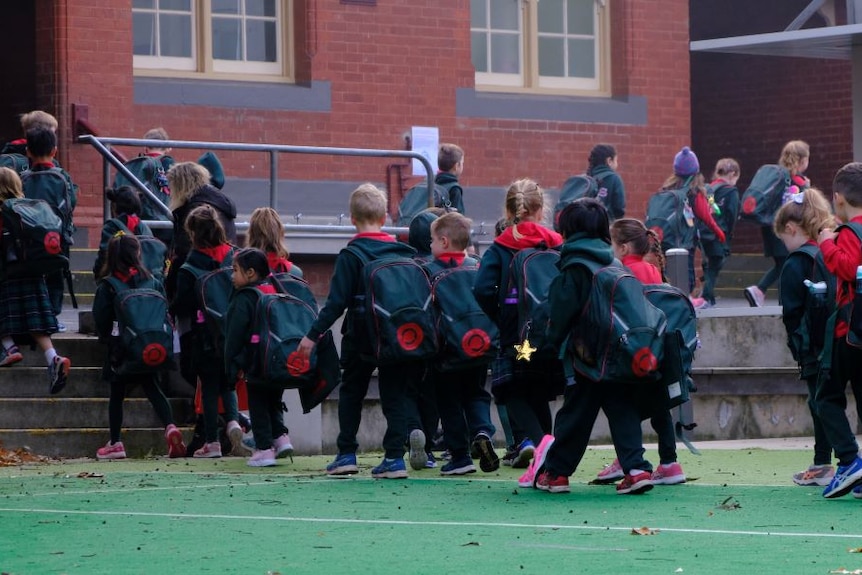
[(685, 163)]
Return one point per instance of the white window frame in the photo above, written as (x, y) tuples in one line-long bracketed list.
[(202, 64), (529, 80)]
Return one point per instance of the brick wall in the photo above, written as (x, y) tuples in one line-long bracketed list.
[(391, 66)]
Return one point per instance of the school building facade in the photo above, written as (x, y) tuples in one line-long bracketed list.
[(526, 87)]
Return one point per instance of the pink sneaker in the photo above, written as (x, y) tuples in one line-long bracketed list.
[(262, 458), (528, 479), (208, 451), (174, 439), (610, 472), (111, 451), (552, 483), (283, 447), (755, 297), (668, 474), (234, 433), (636, 481)]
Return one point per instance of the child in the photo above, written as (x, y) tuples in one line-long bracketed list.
[(125, 207), (725, 197), (463, 403), (450, 165), (124, 264), (604, 163), (368, 214), (527, 394), (14, 153), (210, 251), (842, 253), (46, 181), (584, 224), (797, 224), (250, 270), (794, 157), (266, 233), (25, 307), (631, 241)]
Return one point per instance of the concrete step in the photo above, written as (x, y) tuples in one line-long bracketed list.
[(83, 350), (84, 441), (84, 382), (70, 412)]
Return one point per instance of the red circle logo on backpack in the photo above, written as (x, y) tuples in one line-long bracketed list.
[(475, 342), (644, 362), (154, 354), (409, 336), (658, 231), (749, 205), (297, 364), (52, 243)]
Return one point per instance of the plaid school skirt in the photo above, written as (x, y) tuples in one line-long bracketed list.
[(25, 307)]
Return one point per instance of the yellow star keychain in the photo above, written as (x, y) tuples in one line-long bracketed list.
[(525, 350)]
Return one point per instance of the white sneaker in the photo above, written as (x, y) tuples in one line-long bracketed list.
[(755, 297), (234, 433), (208, 451)]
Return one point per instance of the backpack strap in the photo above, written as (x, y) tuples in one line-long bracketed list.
[(119, 286)]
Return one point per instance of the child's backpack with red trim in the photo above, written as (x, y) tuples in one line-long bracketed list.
[(670, 215), (619, 335), (468, 337), (765, 194), (575, 188), (144, 342), (392, 318), (531, 272), (31, 239), (213, 289), (151, 172)]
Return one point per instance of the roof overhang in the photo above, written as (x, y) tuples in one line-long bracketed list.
[(833, 42)]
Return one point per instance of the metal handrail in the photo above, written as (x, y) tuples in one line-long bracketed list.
[(101, 145)]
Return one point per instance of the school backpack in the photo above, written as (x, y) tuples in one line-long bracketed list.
[(530, 275), (575, 188), (416, 200), (289, 283), (154, 252), (765, 194), (680, 343), (213, 289), (468, 337), (809, 337), (150, 171), (53, 186), (13, 161), (619, 335), (669, 214), (393, 315), (144, 342), (31, 239)]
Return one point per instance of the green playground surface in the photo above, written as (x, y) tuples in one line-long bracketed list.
[(739, 513)]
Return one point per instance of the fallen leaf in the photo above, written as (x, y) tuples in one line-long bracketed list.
[(476, 543), (90, 475), (855, 550), (644, 531), (729, 504)]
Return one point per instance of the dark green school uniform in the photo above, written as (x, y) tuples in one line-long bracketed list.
[(393, 380), (583, 398), (612, 193), (456, 192)]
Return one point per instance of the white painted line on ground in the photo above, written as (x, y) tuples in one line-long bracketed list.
[(221, 517)]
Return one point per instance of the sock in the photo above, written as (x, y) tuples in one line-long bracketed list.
[(8, 342), (50, 355)]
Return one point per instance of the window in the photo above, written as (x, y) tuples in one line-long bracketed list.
[(212, 37), (543, 45)]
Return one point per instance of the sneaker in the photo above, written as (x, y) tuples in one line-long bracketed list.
[(174, 439), (343, 465), (460, 466), (9, 357), (488, 459), (418, 457), (431, 462), (754, 296), (111, 451), (234, 433), (261, 458), (635, 482), (538, 462), (697, 302), (668, 474), (61, 327), (551, 483), (208, 451), (510, 455), (815, 475), (283, 447), (58, 373), (846, 478), (391, 469), (525, 453), (857, 492), (610, 472)]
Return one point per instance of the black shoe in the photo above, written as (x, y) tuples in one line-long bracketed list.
[(488, 460)]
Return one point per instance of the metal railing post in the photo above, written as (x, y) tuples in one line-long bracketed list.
[(273, 180)]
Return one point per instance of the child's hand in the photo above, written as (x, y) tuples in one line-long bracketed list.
[(305, 347), (826, 234), (721, 237)]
